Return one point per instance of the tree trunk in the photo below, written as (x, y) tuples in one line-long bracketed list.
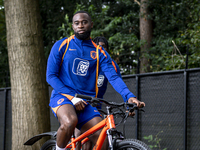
[(29, 90), (146, 32)]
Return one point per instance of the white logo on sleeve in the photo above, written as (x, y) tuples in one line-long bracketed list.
[(100, 80), (80, 66)]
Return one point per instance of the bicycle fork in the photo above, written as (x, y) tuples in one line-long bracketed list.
[(111, 124), (109, 139), (106, 131), (112, 134)]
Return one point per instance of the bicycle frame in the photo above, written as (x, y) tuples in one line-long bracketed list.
[(106, 124)]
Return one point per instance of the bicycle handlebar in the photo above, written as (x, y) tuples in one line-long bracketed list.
[(83, 96), (130, 107), (93, 100)]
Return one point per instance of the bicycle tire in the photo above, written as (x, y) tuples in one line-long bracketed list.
[(132, 144), (49, 145)]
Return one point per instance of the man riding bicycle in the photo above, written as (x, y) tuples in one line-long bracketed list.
[(73, 67)]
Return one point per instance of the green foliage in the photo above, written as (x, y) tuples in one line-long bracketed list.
[(176, 21), (65, 30), (167, 56), (191, 36), (53, 15), (154, 141)]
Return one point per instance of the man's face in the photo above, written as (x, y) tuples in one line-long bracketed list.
[(103, 45), (82, 25)]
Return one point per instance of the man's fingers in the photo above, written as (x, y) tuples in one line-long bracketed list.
[(80, 105), (84, 102), (142, 104), (136, 102), (132, 113)]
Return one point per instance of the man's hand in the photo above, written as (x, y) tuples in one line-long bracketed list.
[(78, 103), (136, 101)]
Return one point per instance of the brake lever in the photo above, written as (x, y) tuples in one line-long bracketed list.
[(93, 103), (141, 109)]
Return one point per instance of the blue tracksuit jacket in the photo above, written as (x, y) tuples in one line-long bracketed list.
[(72, 68)]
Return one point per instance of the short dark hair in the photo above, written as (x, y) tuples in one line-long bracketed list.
[(82, 11), (101, 39)]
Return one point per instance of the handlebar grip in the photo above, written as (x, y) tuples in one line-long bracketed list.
[(83, 96)]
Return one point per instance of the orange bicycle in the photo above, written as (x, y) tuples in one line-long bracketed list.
[(115, 138)]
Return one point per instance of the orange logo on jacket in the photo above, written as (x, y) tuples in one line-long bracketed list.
[(93, 54)]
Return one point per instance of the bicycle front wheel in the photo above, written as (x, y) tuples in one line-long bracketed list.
[(49, 145), (132, 144)]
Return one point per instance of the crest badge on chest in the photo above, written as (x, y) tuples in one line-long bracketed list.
[(93, 54)]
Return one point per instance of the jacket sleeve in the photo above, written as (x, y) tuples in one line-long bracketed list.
[(115, 65), (53, 67), (119, 74), (114, 79)]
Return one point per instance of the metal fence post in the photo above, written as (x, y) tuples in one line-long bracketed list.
[(136, 112), (185, 108), (185, 98), (4, 127), (137, 94)]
